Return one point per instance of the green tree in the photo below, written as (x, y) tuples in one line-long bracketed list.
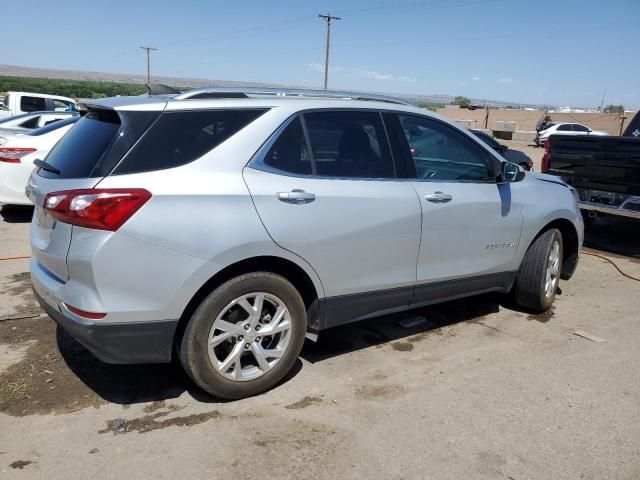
[(70, 88), (614, 109), (462, 101), (430, 106)]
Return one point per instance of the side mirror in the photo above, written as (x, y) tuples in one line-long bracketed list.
[(510, 173), (503, 148)]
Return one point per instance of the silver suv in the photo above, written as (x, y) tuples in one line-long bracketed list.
[(222, 226)]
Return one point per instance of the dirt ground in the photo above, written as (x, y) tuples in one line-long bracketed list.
[(481, 390)]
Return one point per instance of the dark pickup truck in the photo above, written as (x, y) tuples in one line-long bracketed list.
[(604, 170)]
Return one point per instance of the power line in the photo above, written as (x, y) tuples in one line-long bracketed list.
[(328, 18), (261, 29), (149, 50), (412, 6)]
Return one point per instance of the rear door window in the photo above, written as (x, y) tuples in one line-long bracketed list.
[(565, 128), (32, 104), (580, 128), (349, 144), (180, 137)]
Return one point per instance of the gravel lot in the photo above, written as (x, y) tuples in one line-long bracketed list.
[(481, 391)]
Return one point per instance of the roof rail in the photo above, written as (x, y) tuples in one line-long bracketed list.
[(248, 92)]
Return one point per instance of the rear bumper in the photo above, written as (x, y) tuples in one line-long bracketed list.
[(134, 342), (611, 210)]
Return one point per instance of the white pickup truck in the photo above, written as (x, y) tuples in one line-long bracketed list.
[(16, 103)]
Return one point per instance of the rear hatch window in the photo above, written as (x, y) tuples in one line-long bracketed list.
[(180, 137), (96, 143)]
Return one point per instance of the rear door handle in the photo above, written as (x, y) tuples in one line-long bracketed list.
[(438, 197), (297, 197)]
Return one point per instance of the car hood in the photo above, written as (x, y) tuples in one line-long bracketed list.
[(543, 177)]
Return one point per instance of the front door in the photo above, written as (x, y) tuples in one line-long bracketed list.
[(471, 225)]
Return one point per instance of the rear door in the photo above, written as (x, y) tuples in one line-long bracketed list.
[(83, 156), (325, 187)]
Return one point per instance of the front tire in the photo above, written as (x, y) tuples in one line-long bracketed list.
[(245, 336), (539, 274)]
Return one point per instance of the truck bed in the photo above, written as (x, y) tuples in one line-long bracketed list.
[(604, 170)]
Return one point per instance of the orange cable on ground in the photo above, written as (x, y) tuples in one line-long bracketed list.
[(14, 258), (612, 263)]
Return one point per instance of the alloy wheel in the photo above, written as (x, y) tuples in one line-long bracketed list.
[(553, 269), (249, 336)]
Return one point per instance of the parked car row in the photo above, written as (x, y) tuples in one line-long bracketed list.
[(30, 125), (221, 227), (19, 149)]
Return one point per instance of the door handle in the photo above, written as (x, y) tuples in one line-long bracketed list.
[(438, 197), (297, 197)]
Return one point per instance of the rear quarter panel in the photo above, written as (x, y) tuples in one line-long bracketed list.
[(201, 212)]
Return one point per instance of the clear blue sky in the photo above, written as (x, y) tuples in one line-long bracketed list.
[(556, 52)]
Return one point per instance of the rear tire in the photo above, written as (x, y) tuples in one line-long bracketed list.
[(539, 274), (245, 336)]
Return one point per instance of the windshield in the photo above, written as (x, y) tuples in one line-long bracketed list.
[(53, 126), (16, 117)]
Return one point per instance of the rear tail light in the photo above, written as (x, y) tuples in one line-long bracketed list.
[(102, 209), (13, 155), (545, 158)]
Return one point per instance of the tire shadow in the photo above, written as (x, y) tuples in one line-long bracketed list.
[(137, 383)]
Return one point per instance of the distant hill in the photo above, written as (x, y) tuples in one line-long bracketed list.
[(182, 83)]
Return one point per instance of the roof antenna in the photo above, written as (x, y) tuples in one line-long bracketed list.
[(160, 89)]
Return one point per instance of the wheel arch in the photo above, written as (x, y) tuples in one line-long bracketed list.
[(267, 263), (570, 245)]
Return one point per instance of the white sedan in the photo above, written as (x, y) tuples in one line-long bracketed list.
[(17, 153), (565, 129)]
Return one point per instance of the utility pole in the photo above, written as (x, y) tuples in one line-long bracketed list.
[(328, 19), (602, 102), (486, 115), (148, 49), (623, 117)]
